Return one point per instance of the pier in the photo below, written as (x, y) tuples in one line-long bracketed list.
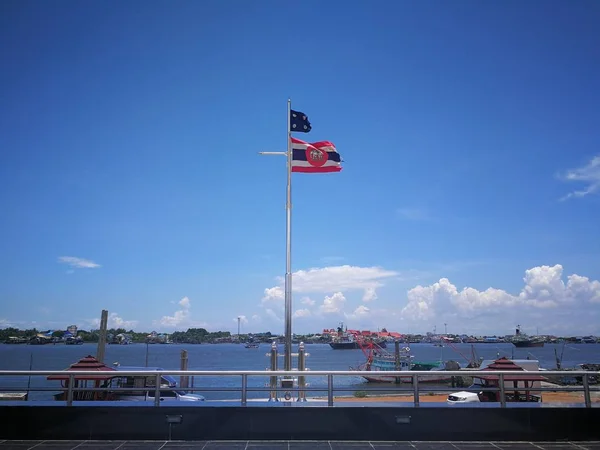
[(320, 417)]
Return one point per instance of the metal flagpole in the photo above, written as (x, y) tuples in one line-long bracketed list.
[(287, 365)]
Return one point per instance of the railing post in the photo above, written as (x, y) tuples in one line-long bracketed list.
[(244, 389), (273, 379), (415, 381), (586, 391), (330, 390), (70, 390), (502, 392), (157, 390), (301, 369)]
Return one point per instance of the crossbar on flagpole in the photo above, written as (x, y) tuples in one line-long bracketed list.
[(273, 153)]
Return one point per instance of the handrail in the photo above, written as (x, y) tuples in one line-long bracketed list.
[(288, 373), (301, 390)]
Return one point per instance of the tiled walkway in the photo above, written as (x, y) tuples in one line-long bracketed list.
[(290, 445)]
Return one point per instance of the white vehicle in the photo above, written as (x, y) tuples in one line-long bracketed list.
[(522, 386), (463, 397), (147, 387)]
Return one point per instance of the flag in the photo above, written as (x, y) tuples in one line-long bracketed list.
[(316, 157), (299, 122)]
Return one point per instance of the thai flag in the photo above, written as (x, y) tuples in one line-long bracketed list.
[(315, 157)]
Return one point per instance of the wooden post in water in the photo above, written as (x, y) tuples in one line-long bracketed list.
[(397, 359), (301, 368), (184, 380), (102, 338)]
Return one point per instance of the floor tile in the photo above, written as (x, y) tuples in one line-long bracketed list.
[(184, 445), (280, 446), (96, 447), (516, 445), (474, 446), (267, 445), (434, 446), (350, 445), (56, 445), (18, 445), (308, 445), (557, 446), (100, 445), (142, 445), (389, 445), (223, 445)]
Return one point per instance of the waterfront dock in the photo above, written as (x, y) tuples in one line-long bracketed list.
[(288, 417)]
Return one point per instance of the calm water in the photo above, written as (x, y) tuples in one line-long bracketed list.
[(237, 357)]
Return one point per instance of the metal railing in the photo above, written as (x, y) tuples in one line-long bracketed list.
[(297, 392)]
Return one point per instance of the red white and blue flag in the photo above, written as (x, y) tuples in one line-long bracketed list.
[(315, 157)]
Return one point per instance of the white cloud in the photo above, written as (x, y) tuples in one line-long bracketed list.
[(332, 279), (180, 317), (302, 313), (587, 175), (77, 263), (333, 304), (544, 288), (582, 289), (256, 318), (274, 294), (362, 310), (369, 295), (114, 321), (307, 301)]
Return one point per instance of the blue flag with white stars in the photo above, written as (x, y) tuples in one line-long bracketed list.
[(299, 122)]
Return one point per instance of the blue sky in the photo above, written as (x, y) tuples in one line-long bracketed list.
[(131, 181)]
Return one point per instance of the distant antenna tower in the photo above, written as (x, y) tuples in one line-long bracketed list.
[(239, 322)]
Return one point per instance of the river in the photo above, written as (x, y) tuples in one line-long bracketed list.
[(237, 357)]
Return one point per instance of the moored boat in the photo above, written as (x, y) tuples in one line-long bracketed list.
[(380, 361), (521, 340)]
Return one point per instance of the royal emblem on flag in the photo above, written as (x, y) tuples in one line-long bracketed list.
[(316, 157)]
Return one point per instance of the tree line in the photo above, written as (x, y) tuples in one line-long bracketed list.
[(191, 336)]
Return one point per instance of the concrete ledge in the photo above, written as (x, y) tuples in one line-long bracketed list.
[(314, 423)]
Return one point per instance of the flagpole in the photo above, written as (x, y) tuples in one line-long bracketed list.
[(288, 249)]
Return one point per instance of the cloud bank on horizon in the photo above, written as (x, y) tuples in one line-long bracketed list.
[(324, 296), (545, 298)]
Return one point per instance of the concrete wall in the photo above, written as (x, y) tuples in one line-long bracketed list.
[(338, 423)]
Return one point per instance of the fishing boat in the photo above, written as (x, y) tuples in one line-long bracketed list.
[(73, 340), (380, 361), (252, 345)]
